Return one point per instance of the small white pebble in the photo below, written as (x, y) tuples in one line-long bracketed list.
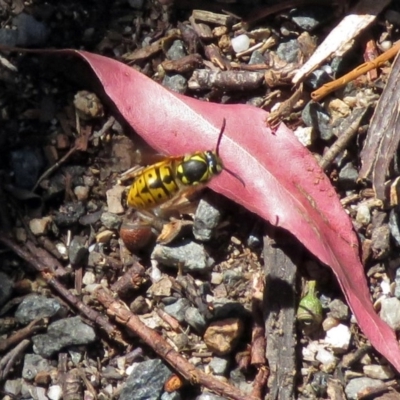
[(325, 357), (216, 278), (89, 278), (386, 45), (81, 193), (363, 214), (39, 226), (310, 351), (62, 249), (109, 389), (306, 135), (240, 43), (385, 286), (54, 392), (338, 337)]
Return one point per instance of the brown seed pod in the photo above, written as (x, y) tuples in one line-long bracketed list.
[(136, 235)]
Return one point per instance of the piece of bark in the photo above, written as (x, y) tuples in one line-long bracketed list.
[(383, 134), (280, 271)]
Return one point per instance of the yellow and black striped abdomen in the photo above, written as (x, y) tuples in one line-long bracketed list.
[(153, 185)]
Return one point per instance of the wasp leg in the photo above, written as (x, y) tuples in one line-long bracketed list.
[(183, 202)]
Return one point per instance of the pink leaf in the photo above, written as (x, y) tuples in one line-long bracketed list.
[(284, 184)]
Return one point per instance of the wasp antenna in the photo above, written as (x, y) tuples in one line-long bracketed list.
[(220, 136), (235, 176)]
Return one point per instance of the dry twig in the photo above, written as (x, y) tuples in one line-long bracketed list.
[(121, 313)]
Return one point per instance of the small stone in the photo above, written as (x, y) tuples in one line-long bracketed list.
[(329, 323), (209, 396), (348, 176), (77, 251), (339, 310), (33, 364), (195, 319), (161, 288), (89, 278), (171, 396), (289, 51), (390, 312), (190, 255), (222, 336), (8, 37), (81, 192), (177, 83), (239, 380), (152, 322), (309, 18), (306, 135), (20, 234), (137, 4), (31, 32), (6, 288), (114, 199), (380, 241), (397, 281), (356, 385), (319, 77), (40, 226), (325, 357), (139, 306), (178, 309), (55, 392), (146, 381), (110, 220), (13, 387), (363, 215), (240, 43), (338, 338), (36, 306), (314, 115), (216, 278), (219, 365), (393, 17), (256, 58), (62, 333), (176, 51), (206, 219), (69, 214), (104, 236), (319, 383), (378, 371), (394, 226), (88, 105)]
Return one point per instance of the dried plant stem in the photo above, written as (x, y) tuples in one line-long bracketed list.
[(362, 69), (22, 334), (121, 313), (343, 140), (10, 359)]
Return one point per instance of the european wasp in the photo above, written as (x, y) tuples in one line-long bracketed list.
[(156, 184)]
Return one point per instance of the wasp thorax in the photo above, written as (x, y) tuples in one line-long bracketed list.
[(199, 168)]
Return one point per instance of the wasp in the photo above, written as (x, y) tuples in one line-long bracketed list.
[(158, 183)]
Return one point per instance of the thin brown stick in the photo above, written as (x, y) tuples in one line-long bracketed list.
[(343, 140), (260, 383), (55, 166), (121, 313), (8, 361), (22, 334), (362, 69)]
